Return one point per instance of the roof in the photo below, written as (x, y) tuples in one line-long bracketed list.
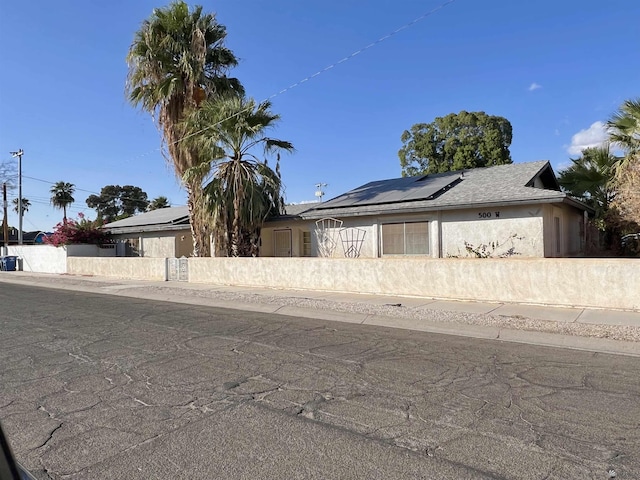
[(27, 237), (294, 209), (517, 183), (171, 218)]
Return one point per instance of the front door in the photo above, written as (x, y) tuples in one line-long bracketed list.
[(282, 242)]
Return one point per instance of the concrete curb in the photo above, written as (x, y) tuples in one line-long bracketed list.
[(134, 290)]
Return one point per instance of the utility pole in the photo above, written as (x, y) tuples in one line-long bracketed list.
[(5, 225), (19, 154)]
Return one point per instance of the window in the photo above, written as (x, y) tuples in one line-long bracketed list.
[(306, 244), (405, 238)]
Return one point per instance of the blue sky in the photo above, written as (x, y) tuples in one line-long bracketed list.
[(554, 69)]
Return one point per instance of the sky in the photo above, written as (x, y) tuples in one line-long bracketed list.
[(556, 70)]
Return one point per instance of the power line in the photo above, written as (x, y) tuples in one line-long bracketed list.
[(319, 72), (76, 189), (290, 87)]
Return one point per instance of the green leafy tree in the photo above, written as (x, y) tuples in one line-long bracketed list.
[(62, 196), (455, 142), (243, 190), (25, 205), (116, 202), (158, 202), (176, 61)]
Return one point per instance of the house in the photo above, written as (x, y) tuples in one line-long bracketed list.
[(28, 238), (162, 233), (505, 210)]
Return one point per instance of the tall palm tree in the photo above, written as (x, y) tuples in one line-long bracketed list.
[(176, 61), (25, 205), (62, 196), (243, 190)]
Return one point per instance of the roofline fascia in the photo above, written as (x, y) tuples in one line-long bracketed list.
[(556, 199), (148, 228), (177, 221)]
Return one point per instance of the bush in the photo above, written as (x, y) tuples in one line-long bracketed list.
[(72, 231)]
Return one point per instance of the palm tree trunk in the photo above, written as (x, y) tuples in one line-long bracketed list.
[(237, 200), (200, 230)]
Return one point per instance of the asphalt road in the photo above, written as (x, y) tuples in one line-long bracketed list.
[(109, 387)]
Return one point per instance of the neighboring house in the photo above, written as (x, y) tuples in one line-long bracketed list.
[(28, 238), (515, 209), (164, 232)]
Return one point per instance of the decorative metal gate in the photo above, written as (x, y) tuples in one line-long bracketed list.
[(178, 269)]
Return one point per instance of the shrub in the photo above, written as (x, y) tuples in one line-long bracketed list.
[(72, 231)]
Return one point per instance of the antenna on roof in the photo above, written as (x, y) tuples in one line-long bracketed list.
[(319, 191)]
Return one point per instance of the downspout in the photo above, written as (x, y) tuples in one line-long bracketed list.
[(439, 237)]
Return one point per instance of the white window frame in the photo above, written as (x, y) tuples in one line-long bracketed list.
[(306, 243)]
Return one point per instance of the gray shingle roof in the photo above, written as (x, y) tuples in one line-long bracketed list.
[(503, 184), (297, 208), (161, 219)]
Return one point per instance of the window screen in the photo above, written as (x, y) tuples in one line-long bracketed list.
[(405, 238)]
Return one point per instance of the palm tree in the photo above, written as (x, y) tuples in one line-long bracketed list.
[(624, 131), (624, 127), (61, 196), (176, 61), (243, 191), (25, 205), (591, 178), (158, 202)]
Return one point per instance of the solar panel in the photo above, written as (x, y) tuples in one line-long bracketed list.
[(394, 191)]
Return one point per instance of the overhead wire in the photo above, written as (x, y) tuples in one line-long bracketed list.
[(319, 72), (290, 87)]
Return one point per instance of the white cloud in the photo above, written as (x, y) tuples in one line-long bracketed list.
[(534, 86), (594, 136)]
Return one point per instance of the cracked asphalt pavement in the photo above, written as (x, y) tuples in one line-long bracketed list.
[(105, 387)]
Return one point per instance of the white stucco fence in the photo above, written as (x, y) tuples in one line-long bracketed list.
[(598, 283), (135, 268), (50, 259), (40, 258), (583, 282)]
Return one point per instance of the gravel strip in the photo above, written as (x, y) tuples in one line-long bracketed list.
[(614, 332)]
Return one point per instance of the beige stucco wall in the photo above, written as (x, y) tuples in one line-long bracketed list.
[(138, 268), (157, 245), (598, 283), (267, 246), (365, 228), (520, 228), (174, 243), (570, 220)]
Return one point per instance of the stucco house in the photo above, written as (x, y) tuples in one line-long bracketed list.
[(515, 209), (162, 233)]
